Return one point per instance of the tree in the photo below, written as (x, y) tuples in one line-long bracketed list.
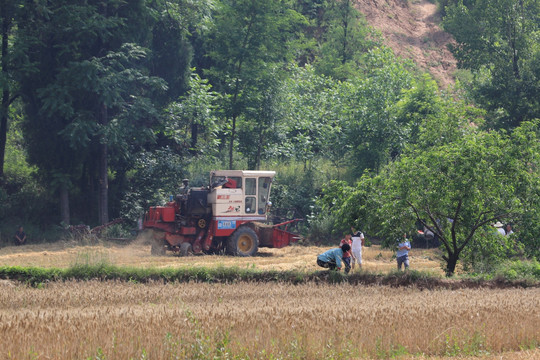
[(86, 90), (247, 35), (369, 116), (257, 130), (346, 39), (455, 179), (458, 188), (192, 122), (498, 41), (311, 125), (8, 19)]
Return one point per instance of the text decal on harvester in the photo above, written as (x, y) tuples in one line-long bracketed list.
[(226, 224)]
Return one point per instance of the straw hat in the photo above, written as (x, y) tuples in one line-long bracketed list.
[(498, 224)]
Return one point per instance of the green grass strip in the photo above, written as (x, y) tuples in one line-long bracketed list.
[(35, 276)]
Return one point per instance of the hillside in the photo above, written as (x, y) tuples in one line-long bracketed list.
[(411, 30)]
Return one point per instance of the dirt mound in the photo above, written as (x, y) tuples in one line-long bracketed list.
[(411, 29)]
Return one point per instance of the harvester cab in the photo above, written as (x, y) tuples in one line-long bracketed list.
[(229, 215)]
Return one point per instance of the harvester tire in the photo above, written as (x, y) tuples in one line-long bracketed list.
[(243, 242), (186, 249)]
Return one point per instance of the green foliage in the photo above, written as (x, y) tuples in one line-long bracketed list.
[(96, 266), (157, 175), (118, 231), (120, 74), (16, 168), (486, 252), (326, 221), (191, 122), (369, 119), (389, 351), (472, 180), (322, 229), (346, 38), (248, 37), (357, 204), (498, 41), (458, 343), (259, 128), (93, 89), (312, 125), (293, 189), (519, 270), (23, 198)]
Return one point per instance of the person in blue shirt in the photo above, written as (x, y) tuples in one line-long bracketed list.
[(332, 258), (402, 255)]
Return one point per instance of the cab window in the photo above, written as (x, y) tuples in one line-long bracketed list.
[(264, 189), (234, 183), (251, 186), (250, 204)]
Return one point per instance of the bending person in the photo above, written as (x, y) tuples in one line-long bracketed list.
[(332, 259)]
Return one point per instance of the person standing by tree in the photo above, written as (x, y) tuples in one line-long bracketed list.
[(509, 230), (499, 228), (346, 254), (20, 236), (402, 255), (356, 247), (332, 258)]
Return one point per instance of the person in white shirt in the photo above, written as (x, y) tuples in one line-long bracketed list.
[(499, 226), (357, 238)]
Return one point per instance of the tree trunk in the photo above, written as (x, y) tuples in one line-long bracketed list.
[(5, 90), (64, 204), (103, 178), (234, 116), (345, 18), (231, 145), (451, 263)]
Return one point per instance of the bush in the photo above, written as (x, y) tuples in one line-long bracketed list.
[(486, 252), (321, 230), (520, 270)]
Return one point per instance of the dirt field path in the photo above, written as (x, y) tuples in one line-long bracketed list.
[(65, 254)]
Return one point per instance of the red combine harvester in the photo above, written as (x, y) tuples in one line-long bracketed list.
[(229, 215)]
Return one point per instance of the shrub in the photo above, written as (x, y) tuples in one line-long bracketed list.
[(321, 229), (520, 270)]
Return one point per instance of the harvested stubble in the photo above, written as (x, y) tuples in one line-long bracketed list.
[(77, 320), (65, 254)]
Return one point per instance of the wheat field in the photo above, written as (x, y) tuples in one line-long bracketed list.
[(122, 320), (114, 320)]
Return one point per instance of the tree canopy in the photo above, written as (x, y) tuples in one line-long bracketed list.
[(498, 41)]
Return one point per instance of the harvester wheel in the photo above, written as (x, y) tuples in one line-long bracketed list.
[(186, 249), (243, 242)]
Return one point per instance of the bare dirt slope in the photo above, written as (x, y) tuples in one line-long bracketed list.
[(411, 29)]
